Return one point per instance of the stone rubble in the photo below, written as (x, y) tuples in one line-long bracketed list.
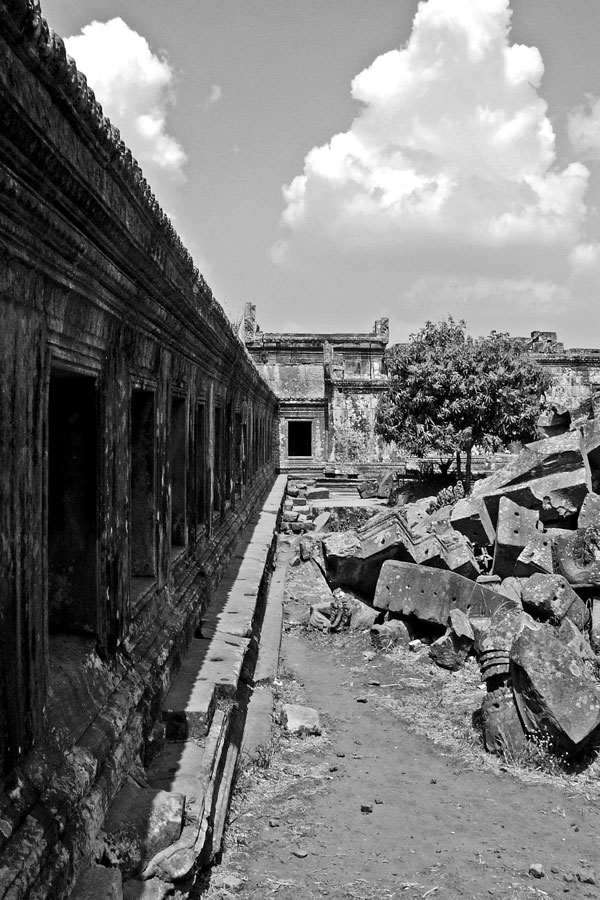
[(509, 574)]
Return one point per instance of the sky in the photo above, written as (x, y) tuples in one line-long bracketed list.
[(338, 161)]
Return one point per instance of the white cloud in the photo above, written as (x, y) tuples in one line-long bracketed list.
[(584, 128), (135, 87), (214, 95), (449, 168)]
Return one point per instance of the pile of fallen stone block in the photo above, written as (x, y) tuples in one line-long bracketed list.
[(509, 575), (298, 512)]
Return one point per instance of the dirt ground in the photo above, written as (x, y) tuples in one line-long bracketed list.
[(397, 798)]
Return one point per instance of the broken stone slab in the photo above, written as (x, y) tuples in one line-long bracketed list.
[(289, 516), (457, 554), (591, 444), (307, 585), (322, 521), (552, 476), (385, 485), (550, 597), (317, 494), (450, 651), (577, 555), (557, 498), (430, 594), (391, 633), (589, 514), (152, 889), (470, 517), (595, 626), (140, 823), (537, 459), (354, 558), (459, 623), (570, 635), (300, 720), (435, 543), (512, 587), (514, 529), (503, 731), (98, 883), (367, 490), (552, 688), (310, 546), (536, 556)]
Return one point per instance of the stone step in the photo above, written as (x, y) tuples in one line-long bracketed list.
[(210, 671)]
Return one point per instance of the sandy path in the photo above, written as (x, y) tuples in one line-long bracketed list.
[(438, 828)]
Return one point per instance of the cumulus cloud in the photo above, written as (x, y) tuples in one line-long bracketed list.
[(584, 128), (453, 141), (136, 88)]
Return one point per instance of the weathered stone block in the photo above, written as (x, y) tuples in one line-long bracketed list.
[(430, 594), (450, 651), (552, 689), (471, 518), (515, 528), (548, 596), (570, 635), (368, 490), (577, 555), (503, 731), (98, 883), (595, 629), (317, 494), (389, 634), (536, 556), (460, 624), (354, 558), (386, 483), (322, 521), (589, 514), (152, 889), (551, 475), (300, 720)]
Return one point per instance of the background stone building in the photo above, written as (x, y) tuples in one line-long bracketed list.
[(328, 387)]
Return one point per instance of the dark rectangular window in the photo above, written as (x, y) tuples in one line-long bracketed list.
[(72, 503), (177, 447), (143, 499), (299, 438)]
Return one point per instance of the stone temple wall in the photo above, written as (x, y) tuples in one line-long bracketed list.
[(137, 441)]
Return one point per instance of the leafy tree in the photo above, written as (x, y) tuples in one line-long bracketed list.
[(450, 392)]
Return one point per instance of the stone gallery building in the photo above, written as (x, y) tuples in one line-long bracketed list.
[(328, 387), (136, 442)]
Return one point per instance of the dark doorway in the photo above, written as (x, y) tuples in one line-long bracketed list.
[(299, 438), (143, 506), (72, 503), (177, 462)]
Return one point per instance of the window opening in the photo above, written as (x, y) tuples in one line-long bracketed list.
[(299, 438)]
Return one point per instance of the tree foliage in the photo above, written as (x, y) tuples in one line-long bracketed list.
[(449, 392)]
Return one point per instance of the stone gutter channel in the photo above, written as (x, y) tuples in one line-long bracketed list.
[(167, 821)]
